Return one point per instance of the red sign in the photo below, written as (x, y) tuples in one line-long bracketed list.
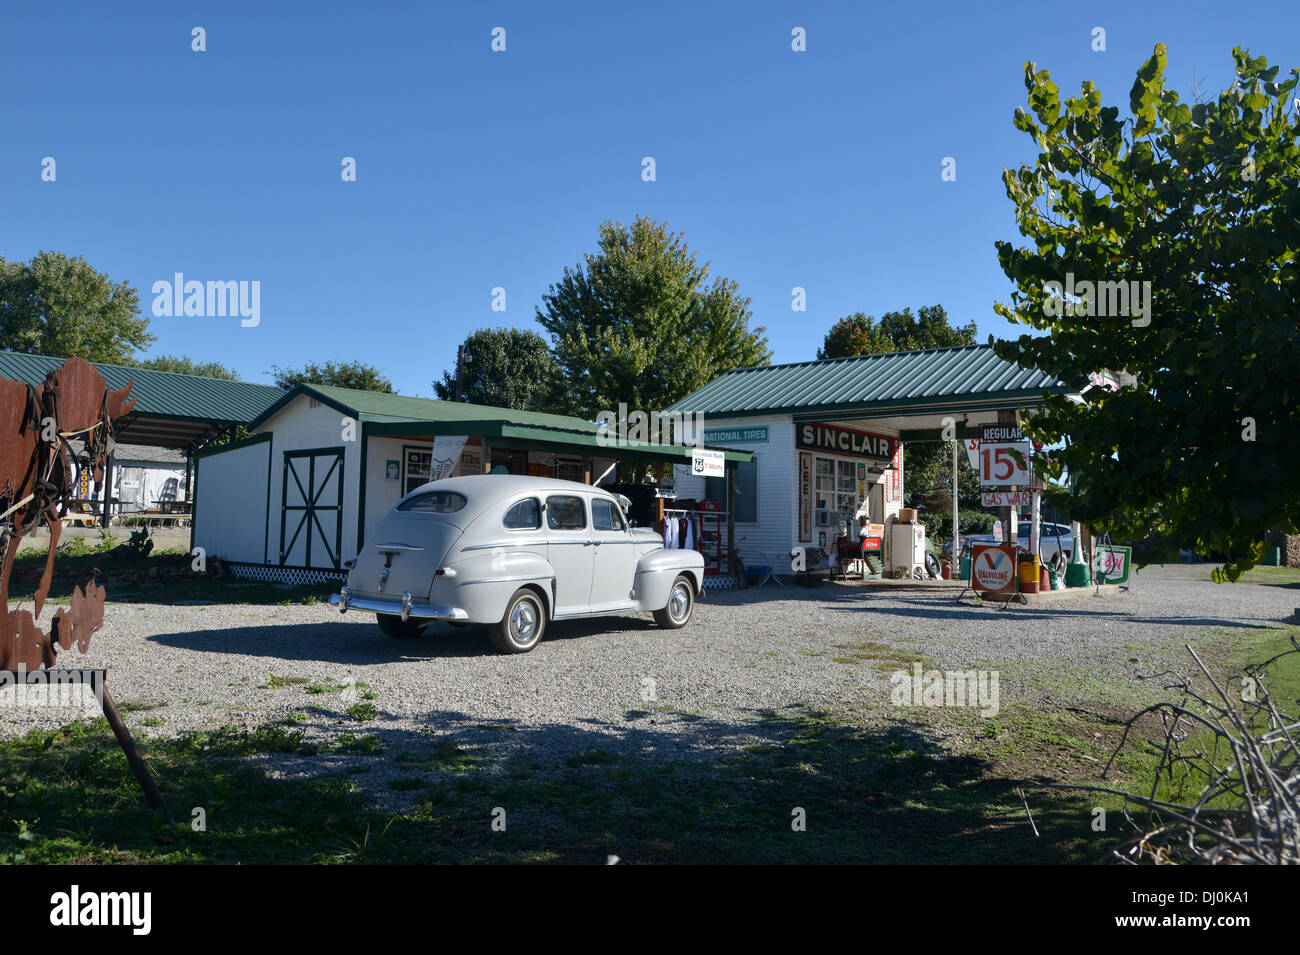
[(1006, 498), (873, 543), (993, 568), (999, 468)]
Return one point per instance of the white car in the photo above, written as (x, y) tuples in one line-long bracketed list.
[(514, 553)]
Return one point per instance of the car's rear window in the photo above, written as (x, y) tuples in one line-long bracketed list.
[(434, 502), (527, 514)]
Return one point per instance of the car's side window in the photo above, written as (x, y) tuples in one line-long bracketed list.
[(605, 516), (524, 515), (565, 512)]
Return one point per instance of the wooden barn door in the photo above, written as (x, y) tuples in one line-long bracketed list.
[(311, 509)]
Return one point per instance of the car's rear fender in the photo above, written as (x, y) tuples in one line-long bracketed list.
[(483, 582)]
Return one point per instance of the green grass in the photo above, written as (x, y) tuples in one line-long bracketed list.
[(878, 795), (877, 784), (361, 712), (886, 658), (1268, 576), (278, 682), (140, 706)]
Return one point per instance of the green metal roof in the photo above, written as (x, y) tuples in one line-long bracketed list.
[(387, 414), (162, 394), (892, 382), (375, 405)]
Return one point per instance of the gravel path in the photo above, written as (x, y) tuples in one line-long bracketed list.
[(587, 685)]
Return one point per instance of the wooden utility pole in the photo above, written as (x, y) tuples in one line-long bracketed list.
[(460, 372), (1007, 514)]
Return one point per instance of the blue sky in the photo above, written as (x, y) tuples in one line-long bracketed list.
[(477, 169)]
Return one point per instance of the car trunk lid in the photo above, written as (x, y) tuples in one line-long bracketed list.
[(402, 555)]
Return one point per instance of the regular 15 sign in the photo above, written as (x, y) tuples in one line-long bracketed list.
[(999, 467)]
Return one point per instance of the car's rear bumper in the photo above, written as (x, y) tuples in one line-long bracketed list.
[(397, 606)]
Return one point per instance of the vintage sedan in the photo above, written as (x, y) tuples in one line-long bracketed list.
[(515, 553)]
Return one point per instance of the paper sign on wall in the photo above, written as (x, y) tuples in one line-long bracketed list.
[(708, 463)]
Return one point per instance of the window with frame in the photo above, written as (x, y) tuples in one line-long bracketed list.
[(605, 515), (523, 515), (746, 491), (434, 502), (565, 512)]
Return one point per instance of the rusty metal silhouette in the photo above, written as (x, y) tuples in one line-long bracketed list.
[(37, 426)]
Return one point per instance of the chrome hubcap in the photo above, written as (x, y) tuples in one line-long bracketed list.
[(679, 602), (523, 621)]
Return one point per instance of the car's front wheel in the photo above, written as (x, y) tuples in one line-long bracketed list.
[(681, 604), (523, 624), (395, 626)]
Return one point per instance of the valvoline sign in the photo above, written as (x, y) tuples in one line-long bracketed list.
[(993, 568)]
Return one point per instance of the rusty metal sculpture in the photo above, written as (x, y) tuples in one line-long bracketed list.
[(37, 426)]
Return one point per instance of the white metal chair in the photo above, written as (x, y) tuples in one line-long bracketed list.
[(774, 569)]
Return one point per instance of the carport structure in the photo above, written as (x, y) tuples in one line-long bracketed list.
[(830, 433), (179, 412)]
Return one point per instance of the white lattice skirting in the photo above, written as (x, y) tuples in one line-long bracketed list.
[(285, 575), (720, 583)]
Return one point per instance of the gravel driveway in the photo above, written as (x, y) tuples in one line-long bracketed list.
[(589, 683)]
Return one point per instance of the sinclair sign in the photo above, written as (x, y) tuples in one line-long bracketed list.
[(836, 440)]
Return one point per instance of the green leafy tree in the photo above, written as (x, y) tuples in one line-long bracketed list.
[(639, 322), (1196, 210), (927, 465), (861, 334), (928, 328), (505, 368), (855, 334), (184, 366), (342, 374), (57, 306)]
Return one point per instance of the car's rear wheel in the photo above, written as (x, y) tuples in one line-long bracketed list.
[(395, 626), (681, 604), (523, 624)]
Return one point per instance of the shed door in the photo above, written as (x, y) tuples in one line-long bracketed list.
[(311, 509)]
